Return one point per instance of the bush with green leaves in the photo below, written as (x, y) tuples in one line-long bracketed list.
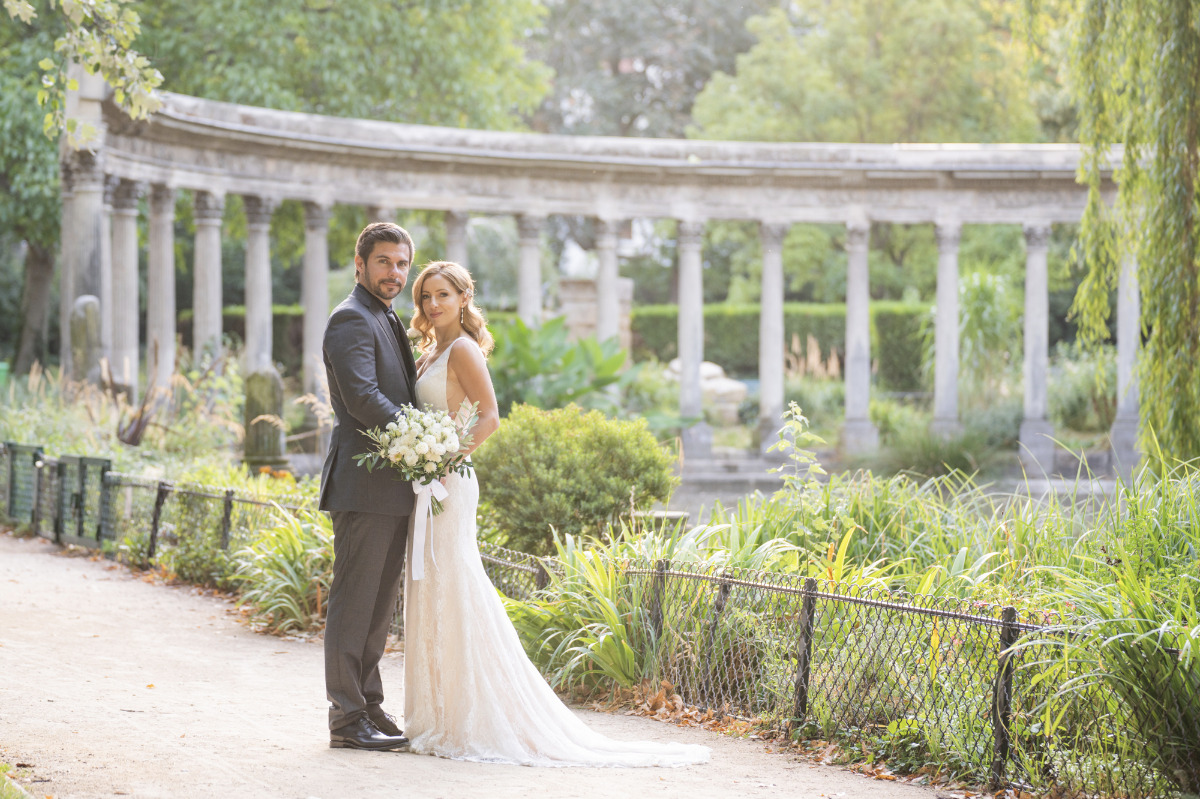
[(568, 470), (541, 366)]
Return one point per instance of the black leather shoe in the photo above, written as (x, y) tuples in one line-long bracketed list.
[(386, 724), (363, 734)]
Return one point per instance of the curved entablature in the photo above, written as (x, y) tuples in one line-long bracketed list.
[(193, 143)]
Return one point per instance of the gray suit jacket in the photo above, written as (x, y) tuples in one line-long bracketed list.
[(370, 376)]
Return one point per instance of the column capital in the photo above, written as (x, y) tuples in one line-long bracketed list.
[(1037, 235), (162, 199), (690, 233), (858, 234), (948, 233), (317, 215), (258, 210), (772, 234), (85, 169), (208, 206), (125, 195), (529, 226)]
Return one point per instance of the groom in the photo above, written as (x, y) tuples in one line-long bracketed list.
[(369, 363)]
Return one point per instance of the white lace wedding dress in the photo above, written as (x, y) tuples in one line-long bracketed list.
[(470, 692)]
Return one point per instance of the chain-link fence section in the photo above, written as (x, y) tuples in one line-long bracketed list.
[(909, 676)]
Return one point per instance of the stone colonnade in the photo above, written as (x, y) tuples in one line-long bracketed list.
[(218, 149)]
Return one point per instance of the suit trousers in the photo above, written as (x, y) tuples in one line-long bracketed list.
[(367, 568)]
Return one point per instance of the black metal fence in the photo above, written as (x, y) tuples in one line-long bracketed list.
[(910, 676)]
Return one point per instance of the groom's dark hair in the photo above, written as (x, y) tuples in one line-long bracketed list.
[(382, 231)]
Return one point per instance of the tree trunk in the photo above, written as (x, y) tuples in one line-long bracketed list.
[(35, 307)]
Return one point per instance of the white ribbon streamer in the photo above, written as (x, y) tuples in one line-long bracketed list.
[(426, 493)]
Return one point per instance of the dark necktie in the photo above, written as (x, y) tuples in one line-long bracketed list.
[(397, 328)]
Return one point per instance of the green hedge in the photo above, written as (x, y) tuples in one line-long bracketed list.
[(731, 335), (287, 332)]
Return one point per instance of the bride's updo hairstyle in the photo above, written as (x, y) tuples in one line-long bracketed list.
[(473, 323)]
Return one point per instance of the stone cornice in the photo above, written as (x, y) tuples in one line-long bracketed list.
[(204, 144)]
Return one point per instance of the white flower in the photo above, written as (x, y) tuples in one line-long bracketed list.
[(437, 450), (429, 440), (411, 458), (421, 448), (431, 467), (451, 443)]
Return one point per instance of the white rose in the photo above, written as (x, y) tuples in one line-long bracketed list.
[(437, 450), (451, 443), (428, 439)]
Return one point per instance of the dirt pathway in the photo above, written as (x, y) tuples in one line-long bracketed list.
[(110, 686)]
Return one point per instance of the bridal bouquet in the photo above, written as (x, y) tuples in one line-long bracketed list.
[(423, 446)]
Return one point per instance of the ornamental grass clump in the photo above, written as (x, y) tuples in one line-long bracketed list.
[(284, 576)]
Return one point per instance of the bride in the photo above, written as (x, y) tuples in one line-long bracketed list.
[(470, 693)]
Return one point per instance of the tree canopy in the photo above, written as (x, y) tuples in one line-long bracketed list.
[(458, 63), (865, 71)]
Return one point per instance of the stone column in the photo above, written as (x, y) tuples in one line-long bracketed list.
[(697, 439), (771, 334), (456, 237), (945, 385), (160, 289), (258, 284), (264, 444), (106, 270), (125, 289), (607, 303), (67, 264), (1037, 444), (529, 277), (206, 324), (1124, 433), (859, 435), (314, 291)]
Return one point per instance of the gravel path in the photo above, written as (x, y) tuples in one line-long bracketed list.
[(111, 686)]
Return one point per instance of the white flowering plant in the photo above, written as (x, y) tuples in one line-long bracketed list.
[(423, 446)]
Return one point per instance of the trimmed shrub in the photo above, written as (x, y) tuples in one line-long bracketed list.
[(568, 469), (287, 332), (896, 344)]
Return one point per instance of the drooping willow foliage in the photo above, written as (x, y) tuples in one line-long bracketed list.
[(1136, 76)]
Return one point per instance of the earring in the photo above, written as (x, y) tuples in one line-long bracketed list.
[(461, 312)]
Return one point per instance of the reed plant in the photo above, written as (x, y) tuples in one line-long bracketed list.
[(285, 574)]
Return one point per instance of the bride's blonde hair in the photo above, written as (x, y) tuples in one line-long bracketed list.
[(473, 323)]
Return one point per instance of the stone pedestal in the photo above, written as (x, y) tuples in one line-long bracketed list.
[(1037, 447), (264, 437)]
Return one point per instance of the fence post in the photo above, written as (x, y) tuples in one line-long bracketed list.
[(1002, 696), (541, 577), (102, 525), (12, 472), (35, 513), (227, 518), (657, 586), (164, 489), (60, 513), (723, 590), (808, 612), (79, 500)]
